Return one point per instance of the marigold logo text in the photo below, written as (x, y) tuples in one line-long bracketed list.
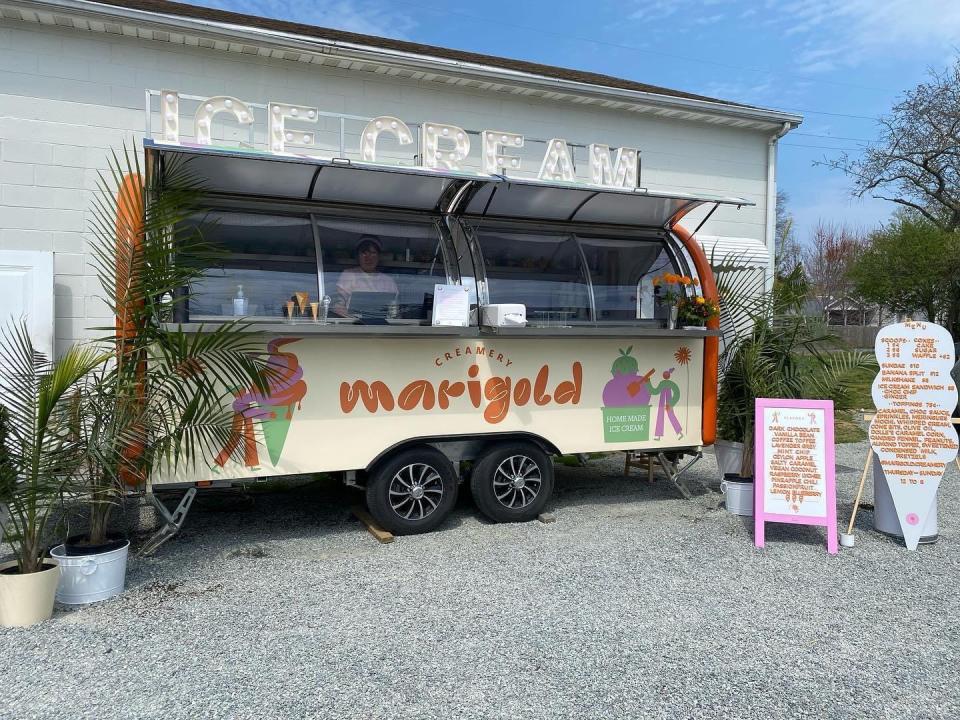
[(499, 393)]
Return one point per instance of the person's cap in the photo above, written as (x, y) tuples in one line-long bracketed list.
[(369, 240)]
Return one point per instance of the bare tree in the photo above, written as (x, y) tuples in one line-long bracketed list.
[(916, 160), (827, 260), (788, 253)]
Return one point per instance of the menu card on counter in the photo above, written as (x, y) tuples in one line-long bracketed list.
[(451, 305), (795, 473), (912, 433)]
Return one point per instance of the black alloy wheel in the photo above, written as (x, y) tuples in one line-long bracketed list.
[(512, 481), (413, 491)]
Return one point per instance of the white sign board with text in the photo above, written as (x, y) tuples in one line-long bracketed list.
[(794, 476), (912, 433)]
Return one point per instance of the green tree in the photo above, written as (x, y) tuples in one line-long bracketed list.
[(912, 266)]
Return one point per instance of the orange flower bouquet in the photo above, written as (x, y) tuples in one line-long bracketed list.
[(673, 291), (673, 287)]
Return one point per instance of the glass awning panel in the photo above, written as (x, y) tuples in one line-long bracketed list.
[(530, 200), (240, 172), (245, 173)]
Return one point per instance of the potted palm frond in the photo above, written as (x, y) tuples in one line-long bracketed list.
[(38, 458), (163, 398), (771, 350)]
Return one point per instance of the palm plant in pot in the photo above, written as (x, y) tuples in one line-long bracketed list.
[(770, 349), (162, 400), (38, 459)]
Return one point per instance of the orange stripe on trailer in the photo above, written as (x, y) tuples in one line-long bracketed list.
[(129, 239), (711, 345)]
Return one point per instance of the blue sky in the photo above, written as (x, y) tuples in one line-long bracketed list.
[(841, 63)]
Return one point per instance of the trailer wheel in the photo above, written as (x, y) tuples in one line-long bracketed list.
[(512, 482), (413, 491)]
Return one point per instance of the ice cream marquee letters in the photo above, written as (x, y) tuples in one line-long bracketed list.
[(442, 146)]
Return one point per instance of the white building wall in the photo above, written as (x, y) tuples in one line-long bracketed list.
[(67, 98)]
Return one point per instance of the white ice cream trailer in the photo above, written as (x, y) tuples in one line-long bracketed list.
[(433, 326)]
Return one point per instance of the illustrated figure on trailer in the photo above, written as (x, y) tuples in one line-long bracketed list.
[(273, 410), (627, 399)]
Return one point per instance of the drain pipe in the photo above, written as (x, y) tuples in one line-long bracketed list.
[(772, 200)]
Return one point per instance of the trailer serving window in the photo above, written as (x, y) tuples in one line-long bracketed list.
[(543, 271), (621, 276), (380, 269), (565, 278), (267, 259)]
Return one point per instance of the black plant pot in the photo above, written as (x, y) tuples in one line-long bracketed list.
[(78, 545)]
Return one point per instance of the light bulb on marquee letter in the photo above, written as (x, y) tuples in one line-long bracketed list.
[(493, 161), (170, 115), (203, 120), (432, 156), (624, 171), (557, 164), (383, 124), (280, 136)]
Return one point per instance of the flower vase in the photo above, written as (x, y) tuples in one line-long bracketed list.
[(672, 318)]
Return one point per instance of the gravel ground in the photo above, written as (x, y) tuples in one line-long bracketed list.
[(634, 603)]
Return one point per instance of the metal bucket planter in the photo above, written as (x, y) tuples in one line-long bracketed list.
[(27, 599), (738, 494), (91, 578), (729, 457)]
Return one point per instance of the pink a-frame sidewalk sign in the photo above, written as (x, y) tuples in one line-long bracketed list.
[(795, 474)]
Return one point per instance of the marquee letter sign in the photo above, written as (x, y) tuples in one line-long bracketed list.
[(794, 480), (170, 114), (383, 124), (432, 134), (493, 161), (624, 171), (557, 164), (280, 135), (203, 120), (443, 146), (912, 433)]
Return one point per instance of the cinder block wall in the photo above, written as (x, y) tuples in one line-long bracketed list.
[(67, 97)]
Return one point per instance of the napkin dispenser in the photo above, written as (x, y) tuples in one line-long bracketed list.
[(505, 315)]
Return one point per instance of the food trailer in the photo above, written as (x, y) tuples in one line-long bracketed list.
[(435, 326)]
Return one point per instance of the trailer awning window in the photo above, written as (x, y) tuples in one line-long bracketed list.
[(530, 200), (248, 173), (242, 173)]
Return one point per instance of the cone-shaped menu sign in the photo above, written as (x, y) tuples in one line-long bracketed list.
[(911, 433)]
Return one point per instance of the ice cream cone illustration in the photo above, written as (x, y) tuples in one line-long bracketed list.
[(274, 409), (911, 433)]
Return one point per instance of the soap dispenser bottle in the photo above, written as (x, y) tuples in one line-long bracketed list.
[(239, 303)]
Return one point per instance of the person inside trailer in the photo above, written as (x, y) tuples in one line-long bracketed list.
[(359, 288)]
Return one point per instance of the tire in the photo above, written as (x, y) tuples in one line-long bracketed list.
[(413, 491), (512, 482)]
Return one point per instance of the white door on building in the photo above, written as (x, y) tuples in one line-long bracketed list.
[(26, 291)]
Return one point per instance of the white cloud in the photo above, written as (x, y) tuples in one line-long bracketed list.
[(370, 17), (842, 32), (656, 10), (850, 32)]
